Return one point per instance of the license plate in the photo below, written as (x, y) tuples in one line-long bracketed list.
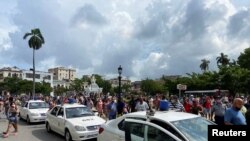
[(94, 135)]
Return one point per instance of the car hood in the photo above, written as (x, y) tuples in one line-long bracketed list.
[(87, 121), (43, 110)]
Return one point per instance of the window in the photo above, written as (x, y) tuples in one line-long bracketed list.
[(168, 128), (60, 113), (25, 105), (54, 111), (38, 105), (78, 112), (121, 125), (195, 129), (136, 129), (155, 134)]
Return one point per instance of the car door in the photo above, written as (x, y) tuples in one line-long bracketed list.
[(53, 119), (23, 110), (60, 119), (145, 131)]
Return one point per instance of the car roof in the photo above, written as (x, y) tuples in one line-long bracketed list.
[(72, 105), (36, 101), (167, 116)]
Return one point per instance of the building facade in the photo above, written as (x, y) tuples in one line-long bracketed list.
[(62, 73), (115, 82), (39, 76), (10, 72)]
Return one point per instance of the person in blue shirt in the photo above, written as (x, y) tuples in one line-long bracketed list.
[(233, 115), (164, 104), (112, 109)]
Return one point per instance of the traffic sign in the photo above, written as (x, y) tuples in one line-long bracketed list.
[(181, 87)]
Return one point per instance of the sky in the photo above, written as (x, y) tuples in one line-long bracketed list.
[(148, 38)]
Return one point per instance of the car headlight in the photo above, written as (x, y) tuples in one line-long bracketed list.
[(34, 114), (80, 128)]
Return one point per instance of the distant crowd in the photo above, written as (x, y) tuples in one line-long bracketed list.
[(221, 110)]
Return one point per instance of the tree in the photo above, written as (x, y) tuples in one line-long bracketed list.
[(204, 65), (222, 60), (35, 42), (77, 85), (151, 87), (244, 59), (59, 90), (104, 84)]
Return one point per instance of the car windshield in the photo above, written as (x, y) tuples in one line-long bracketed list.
[(195, 129), (38, 105), (78, 112)]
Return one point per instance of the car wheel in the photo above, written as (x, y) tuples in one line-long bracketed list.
[(67, 136), (28, 120), (48, 128)]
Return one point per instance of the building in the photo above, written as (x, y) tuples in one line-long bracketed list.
[(10, 72), (136, 86), (62, 73), (115, 82), (61, 83), (93, 88), (39, 76)]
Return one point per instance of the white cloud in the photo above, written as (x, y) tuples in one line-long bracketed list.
[(148, 38)]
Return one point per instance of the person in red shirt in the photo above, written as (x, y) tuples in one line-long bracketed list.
[(157, 102), (187, 105), (207, 108)]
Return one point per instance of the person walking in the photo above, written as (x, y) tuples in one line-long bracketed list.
[(233, 116), (141, 105), (218, 110), (12, 118), (112, 109)]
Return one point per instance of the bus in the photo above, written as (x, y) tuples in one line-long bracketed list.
[(201, 93)]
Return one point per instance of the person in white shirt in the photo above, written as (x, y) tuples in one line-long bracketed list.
[(141, 105)]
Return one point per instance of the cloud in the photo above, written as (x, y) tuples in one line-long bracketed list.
[(148, 38), (88, 14)]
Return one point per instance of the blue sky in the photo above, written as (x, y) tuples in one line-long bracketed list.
[(149, 38)]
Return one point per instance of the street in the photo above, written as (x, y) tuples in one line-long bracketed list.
[(34, 132)]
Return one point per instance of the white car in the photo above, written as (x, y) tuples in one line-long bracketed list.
[(74, 122), (160, 126), (34, 111)]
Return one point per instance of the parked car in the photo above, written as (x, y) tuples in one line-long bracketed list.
[(159, 126), (34, 111), (74, 122)]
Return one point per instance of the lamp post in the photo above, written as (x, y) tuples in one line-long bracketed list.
[(119, 78)]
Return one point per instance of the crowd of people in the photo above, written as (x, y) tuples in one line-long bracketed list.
[(222, 110)]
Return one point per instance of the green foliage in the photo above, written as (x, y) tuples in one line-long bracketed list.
[(222, 60), (77, 85), (103, 83), (36, 38), (244, 59), (151, 87), (17, 86), (59, 90), (204, 64)]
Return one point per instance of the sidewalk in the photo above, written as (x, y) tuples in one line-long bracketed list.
[(3, 123)]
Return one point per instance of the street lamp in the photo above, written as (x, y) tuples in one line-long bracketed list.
[(119, 78)]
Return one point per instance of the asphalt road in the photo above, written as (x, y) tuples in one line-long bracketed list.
[(34, 132)]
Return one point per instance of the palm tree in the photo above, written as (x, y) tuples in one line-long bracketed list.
[(222, 60), (35, 42), (204, 64)]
